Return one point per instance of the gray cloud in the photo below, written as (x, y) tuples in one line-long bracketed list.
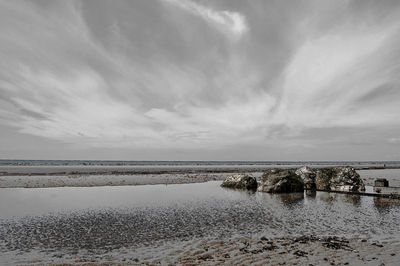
[(186, 75)]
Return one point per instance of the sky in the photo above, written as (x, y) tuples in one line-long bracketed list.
[(200, 80)]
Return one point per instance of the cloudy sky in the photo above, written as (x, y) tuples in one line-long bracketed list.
[(200, 80)]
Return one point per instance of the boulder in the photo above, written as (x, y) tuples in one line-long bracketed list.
[(381, 182), (323, 178), (240, 181), (308, 176), (342, 178), (280, 181)]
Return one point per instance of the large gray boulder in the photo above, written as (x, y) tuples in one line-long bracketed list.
[(240, 181), (280, 181), (308, 176), (342, 178)]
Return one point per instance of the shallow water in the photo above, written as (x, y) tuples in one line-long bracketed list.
[(97, 219), (392, 175)]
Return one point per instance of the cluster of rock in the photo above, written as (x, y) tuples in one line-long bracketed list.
[(342, 178)]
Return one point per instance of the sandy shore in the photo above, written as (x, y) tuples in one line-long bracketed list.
[(84, 180), (33, 176), (300, 250), (45, 169), (91, 180), (279, 251)]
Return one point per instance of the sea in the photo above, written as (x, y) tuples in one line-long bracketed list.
[(52, 225), (192, 163)]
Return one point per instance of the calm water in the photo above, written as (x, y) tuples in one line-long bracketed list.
[(392, 175), (108, 218)]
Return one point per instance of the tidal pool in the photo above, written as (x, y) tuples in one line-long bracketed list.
[(107, 218)]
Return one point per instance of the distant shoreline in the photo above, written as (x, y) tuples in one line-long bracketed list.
[(56, 170), (89, 176), (28, 162)]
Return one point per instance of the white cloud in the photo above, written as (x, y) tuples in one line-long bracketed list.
[(329, 73), (394, 140), (76, 108), (169, 91), (233, 23)]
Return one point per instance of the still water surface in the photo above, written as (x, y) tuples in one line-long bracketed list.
[(94, 218)]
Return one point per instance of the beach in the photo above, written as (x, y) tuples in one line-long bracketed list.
[(199, 132), (187, 218), (244, 251), (76, 174)]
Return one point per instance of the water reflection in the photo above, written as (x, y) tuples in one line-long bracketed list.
[(311, 193), (339, 197), (241, 191), (289, 198), (386, 203), (71, 218), (327, 197), (354, 199)]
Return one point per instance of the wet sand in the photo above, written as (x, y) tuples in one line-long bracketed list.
[(242, 250), (47, 178), (302, 250), (84, 180)]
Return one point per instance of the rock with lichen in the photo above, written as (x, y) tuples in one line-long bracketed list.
[(280, 181), (240, 181), (308, 176), (342, 178)]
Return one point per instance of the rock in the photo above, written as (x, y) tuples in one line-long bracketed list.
[(240, 181), (381, 182), (308, 176), (335, 242), (342, 178), (300, 253), (280, 181), (323, 178)]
